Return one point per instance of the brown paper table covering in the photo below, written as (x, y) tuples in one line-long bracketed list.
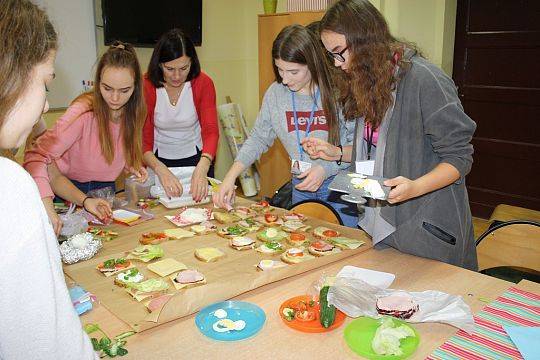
[(228, 277)]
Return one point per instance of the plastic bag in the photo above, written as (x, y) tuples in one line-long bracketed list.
[(357, 298), (73, 223)]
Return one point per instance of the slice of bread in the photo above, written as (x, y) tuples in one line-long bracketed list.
[(209, 254)]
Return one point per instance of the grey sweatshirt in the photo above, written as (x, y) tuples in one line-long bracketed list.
[(427, 127), (276, 119)]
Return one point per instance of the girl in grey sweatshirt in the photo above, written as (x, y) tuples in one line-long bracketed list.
[(300, 103)]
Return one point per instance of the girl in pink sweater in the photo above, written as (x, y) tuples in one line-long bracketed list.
[(97, 138)]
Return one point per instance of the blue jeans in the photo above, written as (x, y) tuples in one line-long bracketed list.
[(347, 211), (86, 187)]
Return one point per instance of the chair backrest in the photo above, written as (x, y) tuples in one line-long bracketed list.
[(510, 243), (317, 209)]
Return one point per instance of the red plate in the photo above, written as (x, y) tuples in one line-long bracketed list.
[(313, 326)]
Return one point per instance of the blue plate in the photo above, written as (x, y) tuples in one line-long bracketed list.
[(236, 310)]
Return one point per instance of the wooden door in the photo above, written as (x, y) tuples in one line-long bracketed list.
[(274, 165), (496, 69)]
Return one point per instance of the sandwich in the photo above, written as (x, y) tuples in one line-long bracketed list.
[(322, 248), (295, 256), (166, 267), (346, 243), (265, 265), (102, 234), (204, 228), (148, 289), (209, 254), (294, 226), (153, 238), (112, 266), (293, 216), (261, 206), (128, 277), (244, 212), (241, 243), (271, 234), (270, 247), (177, 234), (297, 239), (232, 231), (324, 233), (400, 305), (250, 225), (225, 218), (269, 219), (187, 278), (145, 253)]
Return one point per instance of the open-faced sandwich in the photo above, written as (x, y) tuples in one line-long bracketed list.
[(261, 206), (187, 278), (112, 266), (293, 216), (297, 239), (204, 228), (271, 234), (242, 243), (209, 254), (295, 256), (102, 234), (166, 267), (322, 248), (244, 212), (324, 233), (153, 238), (148, 289), (265, 265), (250, 225), (225, 218), (269, 219), (346, 243), (128, 277), (178, 233), (271, 247), (294, 226), (145, 253), (400, 305), (232, 231)]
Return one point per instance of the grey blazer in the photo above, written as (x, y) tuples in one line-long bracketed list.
[(428, 126)]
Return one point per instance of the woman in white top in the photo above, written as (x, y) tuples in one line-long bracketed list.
[(37, 318), (181, 125)]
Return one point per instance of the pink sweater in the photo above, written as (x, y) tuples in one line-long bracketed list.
[(74, 144)]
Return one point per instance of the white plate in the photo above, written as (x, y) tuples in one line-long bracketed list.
[(375, 278)]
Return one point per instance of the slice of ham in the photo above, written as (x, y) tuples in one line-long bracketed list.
[(158, 303), (322, 246), (399, 305), (189, 277)]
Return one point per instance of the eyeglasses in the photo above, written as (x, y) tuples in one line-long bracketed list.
[(339, 55)]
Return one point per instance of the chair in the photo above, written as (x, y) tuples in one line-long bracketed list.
[(317, 209), (510, 249)]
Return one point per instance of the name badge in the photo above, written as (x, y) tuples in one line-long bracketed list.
[(365, 167), (299, 166)]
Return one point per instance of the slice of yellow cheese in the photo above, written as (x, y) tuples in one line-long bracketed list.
[(166, 267)]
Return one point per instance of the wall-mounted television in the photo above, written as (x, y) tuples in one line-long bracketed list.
[(141, 22)]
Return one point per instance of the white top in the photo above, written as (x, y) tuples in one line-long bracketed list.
[(37, 318), (177, 130)]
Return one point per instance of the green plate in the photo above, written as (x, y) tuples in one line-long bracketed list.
[(360, 332)]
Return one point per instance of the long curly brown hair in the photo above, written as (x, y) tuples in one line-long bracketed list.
[(366, 89)]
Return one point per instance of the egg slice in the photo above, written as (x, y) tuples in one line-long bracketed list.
[(220, 314), (223, 325), (271, 233), (239, 325)]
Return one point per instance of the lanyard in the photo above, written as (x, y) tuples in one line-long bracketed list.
[(370, 132), (310, 121)]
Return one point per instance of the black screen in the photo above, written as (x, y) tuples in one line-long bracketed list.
[(142, 22)]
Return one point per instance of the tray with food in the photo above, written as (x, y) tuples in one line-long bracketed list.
[(359, 186)]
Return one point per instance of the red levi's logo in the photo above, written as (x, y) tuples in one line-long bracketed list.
[(319, 120)]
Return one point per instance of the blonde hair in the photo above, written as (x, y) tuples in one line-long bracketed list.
[(121, 55), (27, 37)]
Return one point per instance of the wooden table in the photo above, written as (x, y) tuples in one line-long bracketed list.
[(181, 338)]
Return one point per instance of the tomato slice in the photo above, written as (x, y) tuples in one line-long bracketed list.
[(330, 233), (305, 315), (124, 265), (297, 237), (270, 217), (263, 203)]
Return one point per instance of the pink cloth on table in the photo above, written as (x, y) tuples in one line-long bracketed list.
[(74, 144)]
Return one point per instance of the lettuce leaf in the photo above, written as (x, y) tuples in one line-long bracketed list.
[(147, 252), (151, 285), (346, 242), (387, 337)]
